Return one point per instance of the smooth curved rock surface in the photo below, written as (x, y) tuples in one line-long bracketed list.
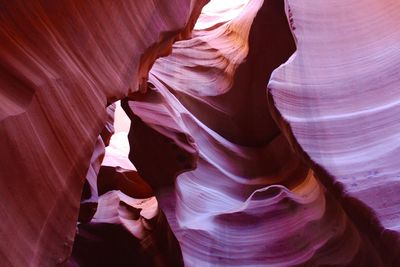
[(338, 98), (116, 199), (61, 63), (305, 175), (127, 227), (250, 200)]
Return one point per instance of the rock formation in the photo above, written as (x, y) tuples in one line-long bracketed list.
[(336, 99), (248, 187), (61, 63), (265, 136)]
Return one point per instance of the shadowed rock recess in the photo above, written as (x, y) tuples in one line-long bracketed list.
[(251, 133)]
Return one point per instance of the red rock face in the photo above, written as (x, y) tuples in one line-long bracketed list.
[(61, 63), (304, 174)]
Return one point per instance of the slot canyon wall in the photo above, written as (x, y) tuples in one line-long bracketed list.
[(62, 62), (262, 133)]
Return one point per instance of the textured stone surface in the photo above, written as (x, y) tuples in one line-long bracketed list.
[(61, 63), (338, 99), (250, 200), (303, 174), (127, 229)]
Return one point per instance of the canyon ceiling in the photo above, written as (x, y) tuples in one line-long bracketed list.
[(258, 133)]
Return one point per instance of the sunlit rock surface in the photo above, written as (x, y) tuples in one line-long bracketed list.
[(338, 98), (303, 174), (249, 200), (61, 63)]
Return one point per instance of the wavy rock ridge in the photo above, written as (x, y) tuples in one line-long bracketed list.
[(305, 174), (338, 96), (250, 200), (63, 61)]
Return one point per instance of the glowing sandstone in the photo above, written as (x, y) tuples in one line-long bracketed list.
[(320, 189), (249, 200), (338, 98), (61, 63)]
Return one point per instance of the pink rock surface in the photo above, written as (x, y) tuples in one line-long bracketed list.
[(127, 227), (61, 63), (305, 174), (250, 200), (338, 96)]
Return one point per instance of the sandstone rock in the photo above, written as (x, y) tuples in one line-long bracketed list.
[(61, 63), (336, 98), (305, 174), (250, 200)]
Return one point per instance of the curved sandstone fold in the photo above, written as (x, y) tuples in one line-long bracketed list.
[(247, 199), (90, 193), (338, 98), (119, 222), (127, 229), (61, 63), (305, 175)]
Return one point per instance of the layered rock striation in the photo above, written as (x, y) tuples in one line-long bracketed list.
[(304, 173), (249, 198), (61, 63)]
